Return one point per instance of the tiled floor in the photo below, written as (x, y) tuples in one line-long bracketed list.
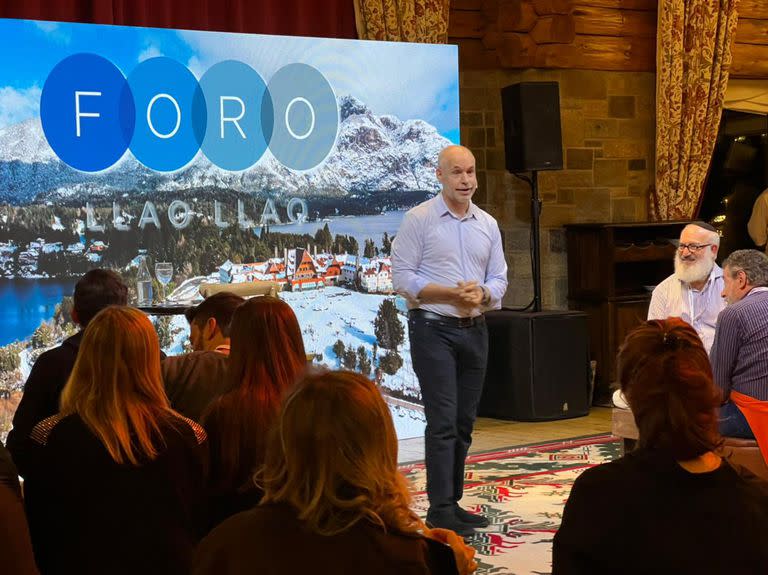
[(492, 434)]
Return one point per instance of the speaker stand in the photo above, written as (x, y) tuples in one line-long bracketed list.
[(535, 240)]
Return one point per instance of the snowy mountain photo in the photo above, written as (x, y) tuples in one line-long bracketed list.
[(371, 153), (346, 141)]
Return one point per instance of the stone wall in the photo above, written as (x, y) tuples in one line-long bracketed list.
[(608, 151)]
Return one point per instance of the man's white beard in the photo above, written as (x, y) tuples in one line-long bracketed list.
[(690, 272)]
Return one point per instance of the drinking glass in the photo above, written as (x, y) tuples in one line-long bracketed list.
[(164, 274)]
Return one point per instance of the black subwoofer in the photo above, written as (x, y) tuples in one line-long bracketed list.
[(538, 366), (532, 135)]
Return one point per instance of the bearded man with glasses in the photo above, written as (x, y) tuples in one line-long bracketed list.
[(693, 291)]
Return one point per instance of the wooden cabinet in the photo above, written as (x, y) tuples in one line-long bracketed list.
[(612, 269)]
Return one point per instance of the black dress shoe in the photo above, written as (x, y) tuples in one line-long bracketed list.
[(472, 519), (447, 520)]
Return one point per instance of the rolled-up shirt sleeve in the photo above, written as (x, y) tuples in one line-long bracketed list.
[(407, 251), (496, 271)]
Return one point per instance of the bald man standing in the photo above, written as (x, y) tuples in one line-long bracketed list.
[(447, 261)]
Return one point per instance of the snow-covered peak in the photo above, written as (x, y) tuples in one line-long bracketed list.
[(351, 106), (25, 142)]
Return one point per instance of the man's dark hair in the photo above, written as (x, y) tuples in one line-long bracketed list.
[(220, 306), (96, 290)]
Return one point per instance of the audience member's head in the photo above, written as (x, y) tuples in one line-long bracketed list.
[(96, 290), (665, 374), (209, 322), (267, 346), (266, 358), (116, 387), (696, 252), (332, 456), (743, 271)]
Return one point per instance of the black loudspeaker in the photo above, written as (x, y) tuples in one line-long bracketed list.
[(532, 138), (538, 366)]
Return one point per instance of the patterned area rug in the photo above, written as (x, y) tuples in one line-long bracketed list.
[(522, 491)]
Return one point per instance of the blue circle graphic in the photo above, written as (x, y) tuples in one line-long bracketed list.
[(239, 115), (170, 114), (306, 116), (87, 112)]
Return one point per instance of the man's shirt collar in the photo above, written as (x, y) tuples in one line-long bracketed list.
[(442, 208)]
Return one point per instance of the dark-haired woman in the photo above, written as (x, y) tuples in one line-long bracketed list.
[(265, 360)]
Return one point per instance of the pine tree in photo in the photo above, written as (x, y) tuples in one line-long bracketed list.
[(363, 363), (338, 350), (350, 359), (387, 327), (370, 250), (386, 244), (324, 239), (391, 362), (354, 247)]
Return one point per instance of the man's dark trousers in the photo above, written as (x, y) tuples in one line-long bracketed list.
[(450, 362)]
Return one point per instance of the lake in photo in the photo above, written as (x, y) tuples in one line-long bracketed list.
[(361, 227), (26, 303)]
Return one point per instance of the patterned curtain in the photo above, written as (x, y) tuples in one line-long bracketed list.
[(693, 55), (403, 20)]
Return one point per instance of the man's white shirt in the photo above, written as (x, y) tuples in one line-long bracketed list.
[(699, 308)]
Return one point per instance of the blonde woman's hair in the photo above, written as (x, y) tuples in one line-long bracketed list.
[(333, 457), (116, 387)]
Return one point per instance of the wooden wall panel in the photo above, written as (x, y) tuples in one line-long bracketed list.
[(647, 5), (597, 21), (516, 16), (749, 61), (555, 29), (753, 9), (474, 56), (466, 24), (586, 34), (549, 7), (750, 31), (599, 53)]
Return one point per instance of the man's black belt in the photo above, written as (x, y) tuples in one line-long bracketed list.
[(447, 320)]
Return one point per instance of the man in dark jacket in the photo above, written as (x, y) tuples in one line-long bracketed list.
[(96, 290), (194, 379)]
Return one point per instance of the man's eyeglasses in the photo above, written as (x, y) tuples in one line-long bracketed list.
[(693, 248)]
